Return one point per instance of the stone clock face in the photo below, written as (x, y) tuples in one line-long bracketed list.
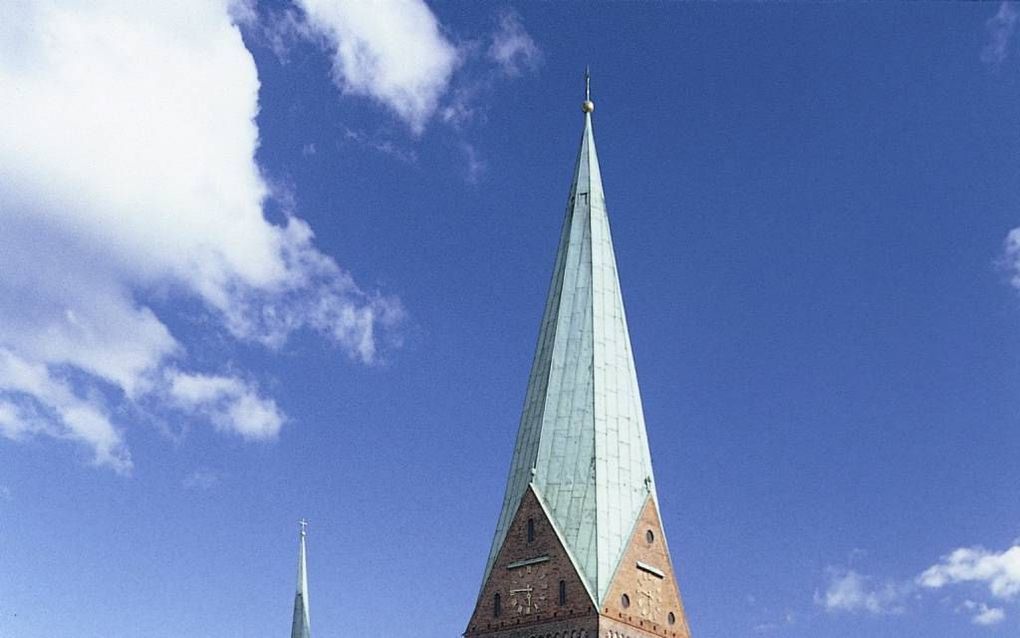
[(649, 597), (529, 589)]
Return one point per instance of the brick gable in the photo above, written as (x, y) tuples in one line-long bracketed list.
[(645, 575), (538, 565)]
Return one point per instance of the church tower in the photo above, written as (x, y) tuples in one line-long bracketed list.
[(300, 626), (579, 550)]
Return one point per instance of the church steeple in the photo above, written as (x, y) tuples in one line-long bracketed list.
[(582, 430), (581, 463), (301, 625)]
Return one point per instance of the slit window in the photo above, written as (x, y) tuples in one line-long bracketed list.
[(563, 593), (531, 530), (497, 606)]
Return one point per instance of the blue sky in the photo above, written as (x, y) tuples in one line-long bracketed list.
[(274, 260)]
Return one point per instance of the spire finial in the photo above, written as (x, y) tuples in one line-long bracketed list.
[(304, 527), (587, 106)]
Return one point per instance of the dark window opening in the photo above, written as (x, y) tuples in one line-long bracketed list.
[(672, 618), (563, 593), (497, 607), (625, 601), (531, 530)]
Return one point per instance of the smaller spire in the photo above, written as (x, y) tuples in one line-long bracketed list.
[(587, 106), (301, 624)]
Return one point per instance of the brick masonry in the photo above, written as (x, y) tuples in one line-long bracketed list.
[(529, 594), (652, 598), (543, 578)]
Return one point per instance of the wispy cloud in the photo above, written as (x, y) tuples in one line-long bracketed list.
[(1011, 257), (34, 400), (512, 48), (982, 614), (789, 619), (159, 196), (851, 591), (998, 572), (475, 165), (278, 29), (396, 53), (509, 51), (1000, 28), (381, 144), (201, 480)]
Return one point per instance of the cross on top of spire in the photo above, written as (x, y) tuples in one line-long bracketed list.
[(587, 106), (304, 526)]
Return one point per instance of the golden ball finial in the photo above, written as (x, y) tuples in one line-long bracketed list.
[(587, 106)]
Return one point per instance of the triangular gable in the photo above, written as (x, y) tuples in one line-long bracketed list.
[(645, 576), (526, 575)]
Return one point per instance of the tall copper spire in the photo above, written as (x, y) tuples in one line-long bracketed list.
[(579, 548), (582, 440)]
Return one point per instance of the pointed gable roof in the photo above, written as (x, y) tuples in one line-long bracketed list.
[(301, 625), (582, 440)]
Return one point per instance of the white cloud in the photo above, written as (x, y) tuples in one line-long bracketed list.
[(988, 616), (80, 418), (1000, 31), (14, 424), (230, 403), (849, 591), (999, 571), (396, 53), (127, 173), (390, 50), (512, 48), (200, 479), (983, 614)]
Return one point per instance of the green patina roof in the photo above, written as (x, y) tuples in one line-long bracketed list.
[(301, 625), (582, 438)]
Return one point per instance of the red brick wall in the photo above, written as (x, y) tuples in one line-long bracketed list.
[(651, 598), (578, 618), (544, 578)]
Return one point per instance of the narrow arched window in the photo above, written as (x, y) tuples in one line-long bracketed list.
[(563, 593), (531, 530), (497, 606)]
